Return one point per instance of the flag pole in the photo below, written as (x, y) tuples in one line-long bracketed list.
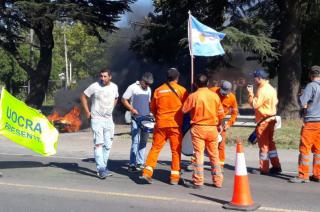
[(190, 48)]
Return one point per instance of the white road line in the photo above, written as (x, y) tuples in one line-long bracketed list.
[(139, 196), (40, 156)]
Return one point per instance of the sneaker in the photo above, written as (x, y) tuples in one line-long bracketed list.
[(146, 179), (140, 167), (275, 170), (314, 179), (189, 168), (133, 169), (298, 180), (102, 174), (192, 185), (109, 173)]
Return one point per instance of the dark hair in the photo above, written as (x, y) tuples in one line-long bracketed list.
[(314, 71), (172, 74), (105, 70), (201, 80), (147, 77)]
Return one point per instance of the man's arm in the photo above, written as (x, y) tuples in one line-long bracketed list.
[(85, 105), (115, 101), (255, 101), (306, 96), (234, 114), (129, 107)]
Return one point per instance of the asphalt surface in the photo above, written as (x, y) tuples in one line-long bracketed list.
[(68, 182)]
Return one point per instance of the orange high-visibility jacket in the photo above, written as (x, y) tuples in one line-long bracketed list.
[(264, 102), (166, 106), (229, 104), (204, 106)]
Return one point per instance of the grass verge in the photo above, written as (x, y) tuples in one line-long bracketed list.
[(287, 137)]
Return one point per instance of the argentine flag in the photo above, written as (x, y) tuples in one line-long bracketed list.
[(203, 40)]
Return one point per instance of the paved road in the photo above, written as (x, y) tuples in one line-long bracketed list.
[(68, 182)]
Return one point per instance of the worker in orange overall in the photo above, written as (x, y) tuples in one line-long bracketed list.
[(310, 132), (166, 106), (230, 106), (264, 103), (206, 115)]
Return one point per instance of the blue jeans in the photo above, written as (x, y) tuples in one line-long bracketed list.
[(102, 138), (138, 146)]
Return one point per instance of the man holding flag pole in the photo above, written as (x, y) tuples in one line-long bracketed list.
[(204, 41)]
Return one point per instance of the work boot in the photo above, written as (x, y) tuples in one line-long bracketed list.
[(257, 171), (275, 170), (192, 185), (146, 179), (314, 179), (298, 180)]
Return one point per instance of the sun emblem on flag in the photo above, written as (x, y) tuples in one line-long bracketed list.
[(201, 37)]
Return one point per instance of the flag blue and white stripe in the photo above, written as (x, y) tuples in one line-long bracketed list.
[(203, 40)]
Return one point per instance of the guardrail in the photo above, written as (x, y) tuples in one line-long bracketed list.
[(250, 121), (244, 121)]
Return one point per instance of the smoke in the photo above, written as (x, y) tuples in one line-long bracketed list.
[(127, 68)]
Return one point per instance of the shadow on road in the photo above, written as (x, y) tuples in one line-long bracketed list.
[(20, 164), (222, 202), (74, 167)]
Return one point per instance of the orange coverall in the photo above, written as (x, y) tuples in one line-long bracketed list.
[(206, 114), (230, 106), (264, 103), (310, 137), (166, 107)]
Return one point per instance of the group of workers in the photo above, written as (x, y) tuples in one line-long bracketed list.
[(207, 108)]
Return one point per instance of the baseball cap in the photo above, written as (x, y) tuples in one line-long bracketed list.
[(315, 70), (147, 77), (260, 73), (225, 88)]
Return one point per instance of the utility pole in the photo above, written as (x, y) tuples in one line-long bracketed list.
[(70, 72), (66, 55), (31, 56)]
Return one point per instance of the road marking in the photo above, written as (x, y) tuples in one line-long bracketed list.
[(139, 196), (40, 156)]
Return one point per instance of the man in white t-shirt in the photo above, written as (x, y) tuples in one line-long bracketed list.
[(104, 95), (137, 99)]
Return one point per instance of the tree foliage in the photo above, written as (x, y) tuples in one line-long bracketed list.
[(18, 17)]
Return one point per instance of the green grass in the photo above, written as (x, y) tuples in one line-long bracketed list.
[(287, 137)]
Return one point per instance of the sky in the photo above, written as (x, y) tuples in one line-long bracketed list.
[(139, 9)]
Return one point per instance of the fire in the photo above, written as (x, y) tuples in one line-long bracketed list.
[(71, 122)]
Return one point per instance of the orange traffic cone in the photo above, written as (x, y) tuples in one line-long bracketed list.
[(241, 199)]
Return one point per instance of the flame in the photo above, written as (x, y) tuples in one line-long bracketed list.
[(71, 122)]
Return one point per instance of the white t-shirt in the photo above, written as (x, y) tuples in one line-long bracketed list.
[(139, 98), (102, 97)]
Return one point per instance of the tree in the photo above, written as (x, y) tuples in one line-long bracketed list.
[(289, 21), (164, 38), (20, 16), (270, 29)]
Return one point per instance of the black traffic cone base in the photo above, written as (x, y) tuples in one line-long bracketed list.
[(230, 206)]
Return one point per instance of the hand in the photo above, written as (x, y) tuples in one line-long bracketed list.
[(225, 127), (88, 115), (134, 111), (250, 89)]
